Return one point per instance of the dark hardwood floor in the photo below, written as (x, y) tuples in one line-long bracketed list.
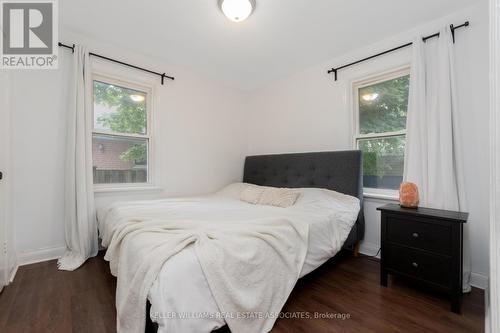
[(43, 299)]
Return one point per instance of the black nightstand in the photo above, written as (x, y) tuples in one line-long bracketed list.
[(425, 246)]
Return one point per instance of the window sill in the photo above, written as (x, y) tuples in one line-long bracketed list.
[(381, 195), (126, 189)]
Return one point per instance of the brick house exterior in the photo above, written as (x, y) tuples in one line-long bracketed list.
[(106, 154)]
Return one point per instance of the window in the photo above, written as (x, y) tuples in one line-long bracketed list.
[(381, 105), (121, 136)]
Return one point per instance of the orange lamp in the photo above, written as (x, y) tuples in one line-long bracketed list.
[(408, 195)]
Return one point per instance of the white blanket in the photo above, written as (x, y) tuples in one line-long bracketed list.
[(250, 266), (181, 285)]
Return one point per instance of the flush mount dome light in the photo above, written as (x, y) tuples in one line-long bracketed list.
[(237, 10)]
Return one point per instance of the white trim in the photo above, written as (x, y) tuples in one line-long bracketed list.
[(47, 254), (479, 281), (381, 76), (7, 240), (108, 189), (40, 255), (380, 200), (380, 135), (375, 193), (121, 135), (13, 273), (149, 89), (493, 303), (4, 110), (369, 249)]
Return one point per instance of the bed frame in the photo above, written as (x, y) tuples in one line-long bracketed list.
[(341, 171)]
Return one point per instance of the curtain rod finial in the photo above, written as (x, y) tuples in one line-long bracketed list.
[(334, 71)]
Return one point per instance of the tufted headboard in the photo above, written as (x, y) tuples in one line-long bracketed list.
[(341, 171)]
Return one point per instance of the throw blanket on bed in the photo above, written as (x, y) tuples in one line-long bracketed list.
[(251, 266)]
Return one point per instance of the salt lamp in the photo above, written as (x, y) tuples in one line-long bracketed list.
[(408, 195)]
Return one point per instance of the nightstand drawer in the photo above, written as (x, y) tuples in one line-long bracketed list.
[(425, 245), (417, 264), (420, 235)]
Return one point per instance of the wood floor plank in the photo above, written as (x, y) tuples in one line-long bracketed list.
[(43, 299)]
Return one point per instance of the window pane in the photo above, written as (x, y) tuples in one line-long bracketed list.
[(383, 106), (119, 159), (119, 110), (383, 162)]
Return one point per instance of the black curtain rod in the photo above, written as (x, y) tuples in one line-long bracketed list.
[(162, 75), (452, 27)]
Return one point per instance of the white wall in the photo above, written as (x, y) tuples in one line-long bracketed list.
[(205, 128), (199, 143), (310, 112)]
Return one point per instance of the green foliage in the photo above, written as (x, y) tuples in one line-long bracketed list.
[(383, 156), (386, 113), (130, 116), (370, 163), (137, 153)]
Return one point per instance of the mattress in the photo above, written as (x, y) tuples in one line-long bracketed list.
[(180, 298)]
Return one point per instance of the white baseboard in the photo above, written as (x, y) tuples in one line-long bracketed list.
[(369, 249), (41, 255), (13, 273), (479, 281)]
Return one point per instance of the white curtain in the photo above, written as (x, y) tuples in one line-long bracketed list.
[(80, 218), (433, 158)]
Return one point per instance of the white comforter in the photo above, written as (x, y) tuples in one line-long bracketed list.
[(180, 296)]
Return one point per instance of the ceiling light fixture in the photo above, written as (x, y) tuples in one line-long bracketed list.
[(137, 98), (237, 10), (370, 97)]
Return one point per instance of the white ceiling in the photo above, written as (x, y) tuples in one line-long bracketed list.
[(281, 36)]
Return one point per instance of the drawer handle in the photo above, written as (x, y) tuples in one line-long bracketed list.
[(415, 235), (414, 264)]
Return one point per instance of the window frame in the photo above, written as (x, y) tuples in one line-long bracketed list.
[(357, 84), (149, 135)]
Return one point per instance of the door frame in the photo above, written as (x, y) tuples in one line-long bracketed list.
[(493, 292), (6, 234)]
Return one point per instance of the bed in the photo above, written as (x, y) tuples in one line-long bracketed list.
[(337, 171), (340, 171)]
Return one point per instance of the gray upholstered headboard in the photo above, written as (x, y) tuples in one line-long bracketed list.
[(341, 171)]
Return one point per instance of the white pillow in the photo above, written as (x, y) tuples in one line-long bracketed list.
[(252, 193), (279, 197), (319, 198), (269, 196)]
